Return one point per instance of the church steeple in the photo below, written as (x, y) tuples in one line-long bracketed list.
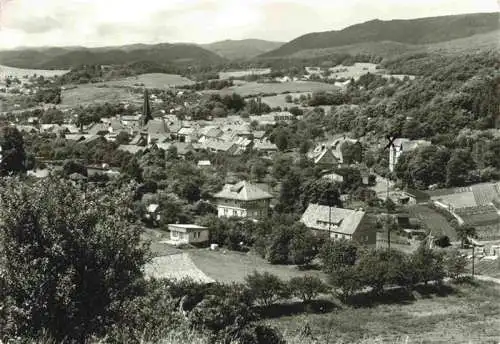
[(146, 109)]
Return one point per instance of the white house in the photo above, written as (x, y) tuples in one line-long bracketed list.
[(338, 223), (243, 200), (187, 234)]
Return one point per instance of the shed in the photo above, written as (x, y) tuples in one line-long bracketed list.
[(187, 234)]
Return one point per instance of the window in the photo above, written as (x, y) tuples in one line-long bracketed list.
[(174, 234)]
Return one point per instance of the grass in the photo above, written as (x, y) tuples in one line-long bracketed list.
[(89, 93), (468, 313), (279, 100), (242, 73), (152, 80), (228, 266), (21, 72), (254, 88)]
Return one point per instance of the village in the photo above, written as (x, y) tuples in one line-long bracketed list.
[(343, 187)]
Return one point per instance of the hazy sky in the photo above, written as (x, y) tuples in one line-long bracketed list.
[(114, 22)]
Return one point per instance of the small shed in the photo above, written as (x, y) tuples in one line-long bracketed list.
[(187, 234)]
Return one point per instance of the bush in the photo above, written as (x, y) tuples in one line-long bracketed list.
[(455, 264), (306, 288), (67, 269), (266, 288)]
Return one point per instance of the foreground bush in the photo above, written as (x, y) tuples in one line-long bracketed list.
[(70, 260)]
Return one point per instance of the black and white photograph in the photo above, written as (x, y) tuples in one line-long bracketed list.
[(249, 171)]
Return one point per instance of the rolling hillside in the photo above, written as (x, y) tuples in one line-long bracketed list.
[(242, 49), (65, 58), (399, 35)]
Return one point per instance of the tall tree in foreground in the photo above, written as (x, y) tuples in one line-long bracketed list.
[(69, 260), (13, 156)]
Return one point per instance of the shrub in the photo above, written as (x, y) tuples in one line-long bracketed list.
[(455, 264), (266, 288), (307, 287), (67, 269)]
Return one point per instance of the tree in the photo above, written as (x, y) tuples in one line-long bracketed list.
[(347, 280), (459, 167), (428, 265), (351, 152), (455, 263), (288, 98), (302, 247), (13, 156), (465, 231), (266, 288), (307, 287), (122, 138), (67, 269), (336, 254), (443, 241)]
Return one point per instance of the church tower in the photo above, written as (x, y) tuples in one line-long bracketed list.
[(146, 109)]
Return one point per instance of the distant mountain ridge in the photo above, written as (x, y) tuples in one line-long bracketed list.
[(66, 58), (241, 49), (407, 32)]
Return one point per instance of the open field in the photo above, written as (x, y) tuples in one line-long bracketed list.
[(89, 94), (354, 71), (457, 314), (279, 100), (254, 88), (21, 72), (152, 80), (433, 221), (242, 73), (228, 266)]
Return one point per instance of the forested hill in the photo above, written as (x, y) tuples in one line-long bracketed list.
[(66, 58), (242, 49), (410, 32)]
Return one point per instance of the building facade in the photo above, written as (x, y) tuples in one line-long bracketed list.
[(244, 200)]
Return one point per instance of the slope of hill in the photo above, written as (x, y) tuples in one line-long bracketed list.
[(405, 32), (484, 41), (66, 58), (242, 49)]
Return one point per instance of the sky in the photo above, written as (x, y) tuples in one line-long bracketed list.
[(116, 22)]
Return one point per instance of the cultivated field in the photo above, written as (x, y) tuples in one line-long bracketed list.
[(254, 88), (152, 80), (21, 72), (456, 314), (90, 94), (242, 73), (228, 266)]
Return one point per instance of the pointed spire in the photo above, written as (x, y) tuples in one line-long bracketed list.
[(146, 108)]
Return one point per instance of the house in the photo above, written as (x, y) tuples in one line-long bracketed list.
[(402, 145), (334, 177), (243, 200), (187, 234), (204, 163), (326, 159), (339, 223), (265, 146), (186, 135)]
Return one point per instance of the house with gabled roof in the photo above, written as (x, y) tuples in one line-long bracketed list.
[(243, 199), (325, 158), (339, 223)]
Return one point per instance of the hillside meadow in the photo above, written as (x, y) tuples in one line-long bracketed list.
[(19, 73), (152, 80), (463, 313), (255, 88)]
